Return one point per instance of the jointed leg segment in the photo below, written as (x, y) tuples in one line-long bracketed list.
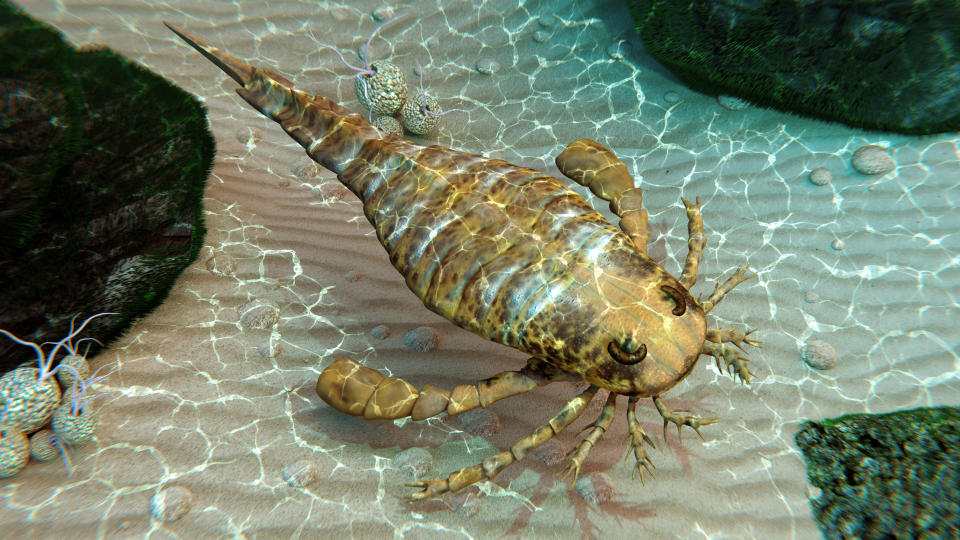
[(579, 454), (695, 243)]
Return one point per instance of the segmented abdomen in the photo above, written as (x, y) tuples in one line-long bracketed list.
[(482, 242)]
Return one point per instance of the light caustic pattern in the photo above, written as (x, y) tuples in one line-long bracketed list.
[(200, 406)]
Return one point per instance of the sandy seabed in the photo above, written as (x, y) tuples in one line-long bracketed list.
[(211, 405)]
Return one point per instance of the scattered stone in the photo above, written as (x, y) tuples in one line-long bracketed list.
[(595, 488), (270, 349), (259, 314), (480, 422), (14, 451), (249, 136), (838, 244), (340, 14), (820, 176), (221, 264), (732, 103), (872, 159), (352, 276), (541, 36), (302, 473), (547, 22), (329, 192), (380, 332), (384, 13), (819, 354), (488, 66), (465, 503), (619, 49), (811, 297), (671, 97), (41, 446), (305, 170), (388, 124), (550, 452), (414, 461), (422, 339), (171, 503)]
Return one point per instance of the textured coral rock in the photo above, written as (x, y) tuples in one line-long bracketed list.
[(819, 354), (872, 159), (878, 64)]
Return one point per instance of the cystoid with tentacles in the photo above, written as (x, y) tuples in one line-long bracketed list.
[(515, 256)]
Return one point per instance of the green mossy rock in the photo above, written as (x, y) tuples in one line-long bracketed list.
[(886, 475), (102, 170), (874, 64)]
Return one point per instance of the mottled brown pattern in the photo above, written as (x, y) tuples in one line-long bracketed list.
[(517, 257)]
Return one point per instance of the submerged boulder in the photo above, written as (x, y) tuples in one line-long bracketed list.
[(873, 64), (102, 170)]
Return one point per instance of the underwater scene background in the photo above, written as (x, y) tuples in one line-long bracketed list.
[(215, 388)]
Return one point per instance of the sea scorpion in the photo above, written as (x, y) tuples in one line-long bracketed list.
[(513, 255)]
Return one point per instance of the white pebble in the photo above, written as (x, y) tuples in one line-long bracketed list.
[(259, 314), (819, 354), (541, 36), (352, 276), (811, 297), (171, 503), (301, 473), (414, 461), (547, 22), (380, 332), (838, 244), (671, 97), (488, 66), (595, 488), (383, 13), (872, 159), (820, 176), (732, 103), (305, 171)]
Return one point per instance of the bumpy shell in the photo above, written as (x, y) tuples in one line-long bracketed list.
[(388, 124), (41, 447), (14, 451), (28, 402), (78, 363), (414, 118), (74, 429), (384, 92)]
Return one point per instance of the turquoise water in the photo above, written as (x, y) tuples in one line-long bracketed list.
[(866, 263)]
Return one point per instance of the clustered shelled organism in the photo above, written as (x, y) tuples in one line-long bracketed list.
[(46, 410), (382, 88)]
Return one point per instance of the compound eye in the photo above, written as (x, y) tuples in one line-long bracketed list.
[(629, 353), (677, 297)]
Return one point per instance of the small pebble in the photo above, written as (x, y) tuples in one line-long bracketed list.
[(541, 36), (383, 13), (305, 171), (414, 461), (259, 314), (811, 297), (302, 473), (732, 103), (352, 276), (422, 339), (872, 159), (480, 422), (547, 22), (550, 452), (838, 244), (380, 332), (329, 192), (488, 66), (619, 49), (671, 97), (221, 264), (465, 503), (340, 14), (595, 488), (249, 136), (819, 354), (820, 176), (170, 503), (270, 349)]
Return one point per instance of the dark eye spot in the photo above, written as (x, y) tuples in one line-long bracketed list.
[(677, 296), (629, 353)]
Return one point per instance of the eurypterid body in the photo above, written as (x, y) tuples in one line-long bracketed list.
[(517, 257)]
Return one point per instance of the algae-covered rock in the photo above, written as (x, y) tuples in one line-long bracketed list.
[(875, 64), (102, 169), (886, 475)]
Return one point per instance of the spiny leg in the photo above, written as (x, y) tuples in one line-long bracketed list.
[(579, 454), (493, 465), (680, 419), (736, 362), (695, 243), (639, 438), (357, 390), (719, 291)]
